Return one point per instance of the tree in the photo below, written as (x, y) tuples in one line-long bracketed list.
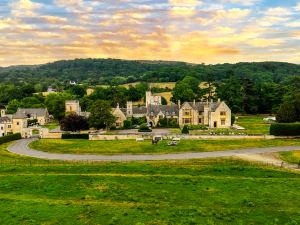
[(13, 106), (185, 130), (56, 104), (183, 92), (77, 91), (287, 113), (101, 116), (74, 123), (32, 102)]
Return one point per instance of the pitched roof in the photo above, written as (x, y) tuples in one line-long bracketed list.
[(199, 106), (4, 119), (139, 110), (23, 113), (165, 109)]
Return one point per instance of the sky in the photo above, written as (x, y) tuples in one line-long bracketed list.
[(196, 31)]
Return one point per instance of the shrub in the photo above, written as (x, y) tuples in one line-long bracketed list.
[(138, 120), (32, 122), (232, 119), (11, 137), (197, 127), (127, 124), (285, 129), (168, 123), (74, 123), (74, 136), (185, 130), (144, 128), (287, 113)]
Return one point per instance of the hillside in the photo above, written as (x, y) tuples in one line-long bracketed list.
[(115, 71)]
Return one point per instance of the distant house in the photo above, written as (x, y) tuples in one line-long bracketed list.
[(39, 114), (5, 126)]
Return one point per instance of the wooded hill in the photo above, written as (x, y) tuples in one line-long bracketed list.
[(115, 71)]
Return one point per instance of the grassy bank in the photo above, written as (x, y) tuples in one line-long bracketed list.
[(133, 147), (292, 157)]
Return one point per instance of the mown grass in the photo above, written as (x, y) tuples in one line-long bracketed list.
[(185, 192), (292, 157), (133, 147), (51, 125), (254, 124), (214, 191)]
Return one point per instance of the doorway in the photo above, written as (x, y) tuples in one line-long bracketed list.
[(215, 124)]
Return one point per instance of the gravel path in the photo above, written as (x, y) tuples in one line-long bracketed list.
[(20, 147)]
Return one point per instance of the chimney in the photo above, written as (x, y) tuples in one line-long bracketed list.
[(2, 113), (179, 103), (194, 103), (118, 106), (219, 100), (211, 101)]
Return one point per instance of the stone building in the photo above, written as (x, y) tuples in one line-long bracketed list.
[(211, 114), (73, 106)]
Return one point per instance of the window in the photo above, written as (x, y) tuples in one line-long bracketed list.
[(186, 113), (186, 121), (223, 122), (200, 121), (9, 126), (223, 113), (18, 123)]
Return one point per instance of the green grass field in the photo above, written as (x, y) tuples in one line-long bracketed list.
[(254, 124), (133, 147), (51, 125), (292, 157), (215, 191)]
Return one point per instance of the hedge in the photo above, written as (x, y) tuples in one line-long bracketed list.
[(285, 129), (74, 136), (11, 137)]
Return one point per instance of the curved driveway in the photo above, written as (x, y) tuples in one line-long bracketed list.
[(20, 147)]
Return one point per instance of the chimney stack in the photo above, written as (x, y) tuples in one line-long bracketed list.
[(194, 103), (219, 100), (179, 103)]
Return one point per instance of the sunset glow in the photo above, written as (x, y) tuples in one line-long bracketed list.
[(40, 31)]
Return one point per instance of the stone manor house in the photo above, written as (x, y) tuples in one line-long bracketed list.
[(211, 114)]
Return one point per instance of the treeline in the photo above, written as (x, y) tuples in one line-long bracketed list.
[(252, 88), (114, 72)]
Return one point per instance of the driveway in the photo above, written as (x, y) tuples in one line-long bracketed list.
[(20, 147)]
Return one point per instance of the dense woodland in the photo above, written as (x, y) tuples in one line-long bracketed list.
[(246, 87)]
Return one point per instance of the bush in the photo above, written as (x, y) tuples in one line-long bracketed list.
[(287, 113), (232, 119), (32, 122), (285, 129), (168, 123), (127, 124), (74, 123), (197, 127), (144, 128), (138, 120), (74, 136), (9, 138), (185, 130)]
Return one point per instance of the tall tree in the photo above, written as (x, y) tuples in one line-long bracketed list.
[(74, 123), (101, 116)]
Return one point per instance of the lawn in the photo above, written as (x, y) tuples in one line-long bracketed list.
[(292, 157), (51, 125), (133, 147), (254, 124), (189, 192), (214, 191)]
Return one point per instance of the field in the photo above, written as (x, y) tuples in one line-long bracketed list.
[(216, 191), (254, 124), (51, 125), (133, 147)]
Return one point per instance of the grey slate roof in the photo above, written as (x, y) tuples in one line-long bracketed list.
[(199, 106), (23, 113), (5, 119), (165, 109), (139, 110)]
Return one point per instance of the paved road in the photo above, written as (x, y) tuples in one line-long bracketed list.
[(21, 147)]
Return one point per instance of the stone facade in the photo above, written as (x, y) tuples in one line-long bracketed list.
[(211, 114), (73, 106)]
